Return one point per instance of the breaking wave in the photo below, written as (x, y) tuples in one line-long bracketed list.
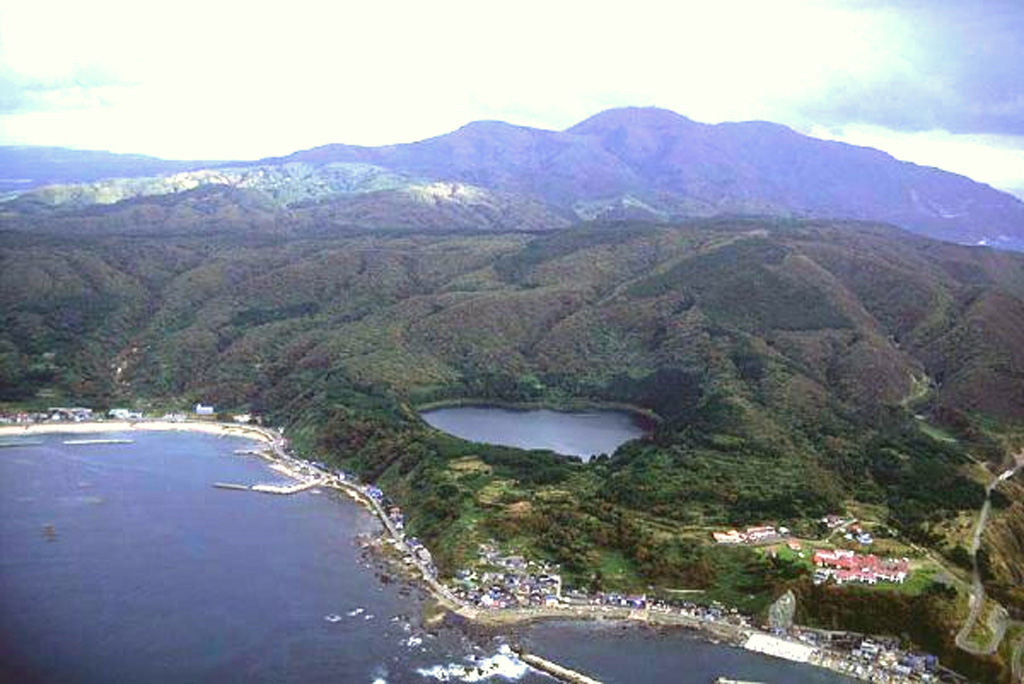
[(504, 664)]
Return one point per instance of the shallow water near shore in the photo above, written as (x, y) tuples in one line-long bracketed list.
[(122, 563), (572, 433)]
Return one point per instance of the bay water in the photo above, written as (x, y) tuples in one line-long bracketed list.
[(121, 563)]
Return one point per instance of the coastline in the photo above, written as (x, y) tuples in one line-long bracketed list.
[(91, 427), (277, 452)]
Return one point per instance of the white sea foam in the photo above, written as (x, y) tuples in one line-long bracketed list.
[(502, 664)]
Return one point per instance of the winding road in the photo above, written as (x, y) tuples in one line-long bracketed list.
[(998, 622)]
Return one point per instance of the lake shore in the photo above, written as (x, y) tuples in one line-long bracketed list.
[(571, 406)]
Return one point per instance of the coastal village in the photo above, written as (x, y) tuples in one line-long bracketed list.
[(508, 584)]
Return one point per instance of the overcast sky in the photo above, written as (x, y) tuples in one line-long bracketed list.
[(931, 81)]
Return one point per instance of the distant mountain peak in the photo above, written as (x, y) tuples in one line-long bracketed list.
[(630, 117), (648, 161), (491, 125)]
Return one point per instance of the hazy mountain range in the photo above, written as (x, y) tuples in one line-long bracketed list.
[(634, 163)]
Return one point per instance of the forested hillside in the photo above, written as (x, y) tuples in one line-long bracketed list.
[(785, 359)]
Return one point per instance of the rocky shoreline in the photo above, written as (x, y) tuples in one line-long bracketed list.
[(389, 547)]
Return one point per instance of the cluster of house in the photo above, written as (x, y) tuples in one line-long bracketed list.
[(509, 582), (422, 554), (391, 510), (412, 547), (844, 566), (76, 414), (752, 535), (79, 414), (125, 414), (875, 660), (849, 527), (21, 417)]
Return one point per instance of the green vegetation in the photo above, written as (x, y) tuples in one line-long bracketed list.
[(936, 432), (927, 619), (780, 367)]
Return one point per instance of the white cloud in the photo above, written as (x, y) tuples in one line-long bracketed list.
[(215, 79)]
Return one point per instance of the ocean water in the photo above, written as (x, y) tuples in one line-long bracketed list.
[(573, 433), (122, 564)]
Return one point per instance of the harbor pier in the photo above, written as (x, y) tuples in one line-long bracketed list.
[(559, 672)]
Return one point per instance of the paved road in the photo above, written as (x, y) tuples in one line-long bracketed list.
[(977, 597)]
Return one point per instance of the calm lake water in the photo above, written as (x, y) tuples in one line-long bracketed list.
[(153, 576), (574, 433)]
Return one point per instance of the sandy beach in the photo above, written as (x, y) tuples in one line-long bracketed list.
[(93, 427)]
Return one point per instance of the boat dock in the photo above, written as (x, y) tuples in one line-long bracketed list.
[(726, 680), (76, 442), (287, 489), (562, 674)]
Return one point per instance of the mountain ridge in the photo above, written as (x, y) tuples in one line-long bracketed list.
[(645, 162)]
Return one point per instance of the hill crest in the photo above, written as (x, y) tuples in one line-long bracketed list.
[(661, 165)]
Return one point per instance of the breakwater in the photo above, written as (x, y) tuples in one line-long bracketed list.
[(559, 672), (231, 485), (81, 442)]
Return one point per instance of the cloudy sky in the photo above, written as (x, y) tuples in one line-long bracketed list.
[(933, 81)]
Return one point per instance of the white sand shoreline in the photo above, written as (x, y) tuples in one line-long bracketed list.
[(93, 427)]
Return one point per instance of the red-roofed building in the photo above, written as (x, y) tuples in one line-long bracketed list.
[(847, 566)]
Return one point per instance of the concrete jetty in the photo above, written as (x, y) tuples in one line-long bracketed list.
[(562, 674), (76, 442), (286, 489)]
